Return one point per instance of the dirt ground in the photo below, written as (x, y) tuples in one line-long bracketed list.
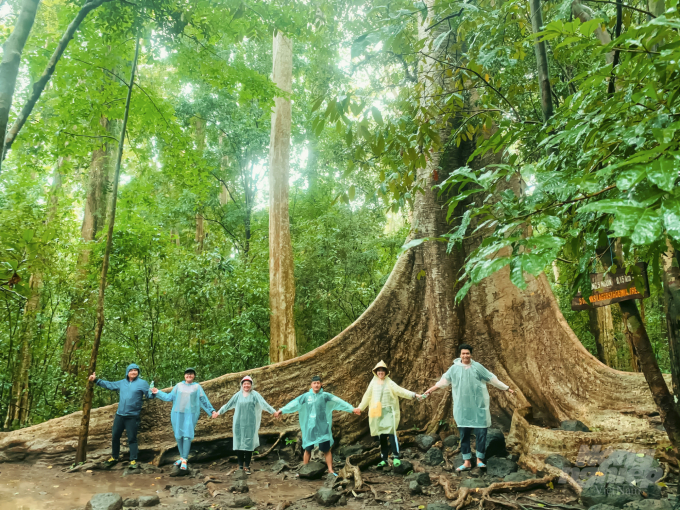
[(43, 487)]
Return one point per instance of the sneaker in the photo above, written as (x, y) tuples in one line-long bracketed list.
[(247, 470), (134, 465), (183, 465), (396, 462), (109, 463), (382, 463), (178, 462)]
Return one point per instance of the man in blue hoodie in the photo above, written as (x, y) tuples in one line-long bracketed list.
[(132, 390)]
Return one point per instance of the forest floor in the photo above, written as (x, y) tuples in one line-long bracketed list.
[(38, 487)]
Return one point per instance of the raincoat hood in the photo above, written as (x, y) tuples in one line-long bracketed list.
[(133, 366), (381, 364), (250, 379)]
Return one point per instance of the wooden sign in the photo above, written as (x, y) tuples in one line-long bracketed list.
[(612, 288)]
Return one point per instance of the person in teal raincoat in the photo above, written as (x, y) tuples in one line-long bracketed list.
[(315, 410), (468, 380), (249, 405), (188, 399)]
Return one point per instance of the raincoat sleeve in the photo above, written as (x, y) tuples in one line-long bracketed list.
[(498, 384), (367, 397), (264, 404), (445, 380), (483, 373), (229, 405), (338, 404), (205, 403), (294, 405), (401, 392), (167, 397), (113, 386)]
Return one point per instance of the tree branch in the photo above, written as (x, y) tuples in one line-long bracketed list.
[(444, 19), (622, 5)]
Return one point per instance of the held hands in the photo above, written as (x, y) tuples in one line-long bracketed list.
[(511, 390), (154, 390), (92, 377), (357, 411), (277, 414), (215, 414)]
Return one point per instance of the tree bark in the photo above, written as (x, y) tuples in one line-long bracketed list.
[(415, 326), (96, 204), (671, 288), (281, 274), (602, 328), (584, 13), (40, 85), (541, 61), (11, 59), (81, 451), (199, 135)]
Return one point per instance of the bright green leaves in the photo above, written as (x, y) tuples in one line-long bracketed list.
[(664, 173)]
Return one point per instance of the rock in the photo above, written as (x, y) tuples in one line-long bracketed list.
[(242, 500), (147, 501), (278, 466), (149, 469), (200, 505), (438, 505), (574, 426), (520, 476), (596, 491), (129, 471), (404, 468), (239, 474), (105, 501), (176, 490), (473, 483), (342, 501), (420, 478), (433, 457), (349, 450), (313, 470), (326, 497), (558, 461), (130, 503), (495, 444), (330, 480), (425, 441), (452, 441), (500, 467), (176, 471), (649, 504), (239, 486), (602, 506), (414, 487), (645, 469)]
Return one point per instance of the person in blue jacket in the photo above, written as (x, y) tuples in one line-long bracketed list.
[(132, 391)]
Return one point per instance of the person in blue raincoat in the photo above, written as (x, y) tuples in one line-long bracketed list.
[(249, 405), (132, 391), (468, 380), (188, 399), (316, 419)]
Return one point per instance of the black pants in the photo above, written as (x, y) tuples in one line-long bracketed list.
[(385, 449), (480, 442), (130, 424), (243, 456), (324, 447)]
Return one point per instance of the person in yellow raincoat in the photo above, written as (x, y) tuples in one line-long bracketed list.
[(382, 399)]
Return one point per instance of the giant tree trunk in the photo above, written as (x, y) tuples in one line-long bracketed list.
[(94, 217), (282, 344), (415, 326), (602, 328), (11, 59)]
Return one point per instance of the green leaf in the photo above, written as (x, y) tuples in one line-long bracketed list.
[(630, 177), (663, 173), (28, 235), (670, 214), (351, 192), (377, 115), (516, 273), (420, 274), (317, 104), (412, 243), (440, 39), (648, 228)]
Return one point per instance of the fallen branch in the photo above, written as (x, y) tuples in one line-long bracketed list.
[(262, 455), (82, 467), (213, 489), (517, 486), (461, 500), (449, 492)]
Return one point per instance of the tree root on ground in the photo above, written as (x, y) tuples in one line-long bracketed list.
[(463, 496), (446, 485), (263, 455), (518, 486), (354, 463), (462, 499)]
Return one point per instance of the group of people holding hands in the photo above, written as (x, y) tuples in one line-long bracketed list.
[(466, 377)]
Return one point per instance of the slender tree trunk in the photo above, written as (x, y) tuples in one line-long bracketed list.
[(541, 61), (199, 135), (671, 288), (585, 14), (40, 85), (81, 450), (94, 218), (11, 59), (602, 328), (281, 276)]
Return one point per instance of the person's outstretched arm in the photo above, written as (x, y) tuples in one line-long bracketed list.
[(229, 405), (265, 405), (402, 392), (165, 397), (113, 386), (205, 403), (500, 385), (291, 407), (442, 383), (366, 399), (341, 405)]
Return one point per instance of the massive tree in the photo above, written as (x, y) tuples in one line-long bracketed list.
[(415, 325)]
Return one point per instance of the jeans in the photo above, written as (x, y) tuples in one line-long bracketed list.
[(243, 456), (385, 449), (480, 443), (183, 445), (130, 424)]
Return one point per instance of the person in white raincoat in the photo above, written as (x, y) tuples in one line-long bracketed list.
[(382, 399), (249, 405), (315, 410), (468, 381)]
